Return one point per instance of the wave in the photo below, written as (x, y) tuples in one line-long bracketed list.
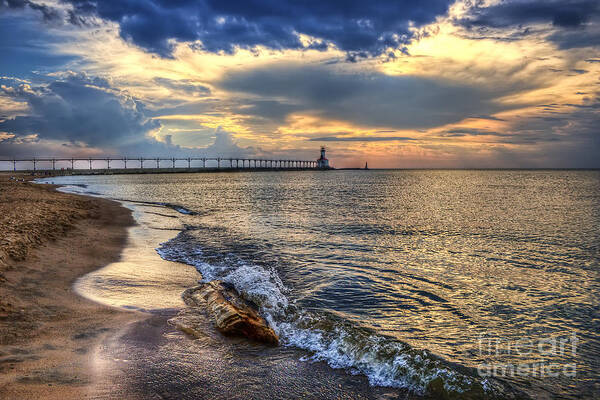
[(176, 207), (179, 209), (385, 361), (80, 188)]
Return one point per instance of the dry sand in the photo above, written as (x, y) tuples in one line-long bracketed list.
[(49, 334)]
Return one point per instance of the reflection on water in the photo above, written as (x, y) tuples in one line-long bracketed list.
[(141, 280), (440, 261)]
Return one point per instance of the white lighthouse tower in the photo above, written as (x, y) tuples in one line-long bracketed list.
[(323, 162)]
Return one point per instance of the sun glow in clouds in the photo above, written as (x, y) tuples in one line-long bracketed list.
[(446, 86)]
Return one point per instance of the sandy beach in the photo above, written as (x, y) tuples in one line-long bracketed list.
[(48, 333), (56, 344)]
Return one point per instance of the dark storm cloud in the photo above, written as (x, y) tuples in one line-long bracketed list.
[(74, 114), (577, 38), (360, 28), (78, 109), (574, 21), (272, 110), (563, 13), (459, 132), (526, 135), (373, 99), (47, 12)]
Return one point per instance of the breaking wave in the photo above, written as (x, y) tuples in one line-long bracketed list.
[(384, 361)]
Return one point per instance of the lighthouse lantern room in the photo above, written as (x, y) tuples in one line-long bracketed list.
[(323, 162)]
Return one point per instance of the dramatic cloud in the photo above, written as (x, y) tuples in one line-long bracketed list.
[(23, 48), (460, 132), (77, 114), (563, 13), (521, 137), (509, 83), (577, 38), (371, 99), (359, 138), (77, 108), (575, 22), (48, 12), (186, 86), (225, 146), (567, 133), (357, 27)]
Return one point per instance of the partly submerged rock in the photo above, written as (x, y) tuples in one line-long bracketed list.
[(230, 313)]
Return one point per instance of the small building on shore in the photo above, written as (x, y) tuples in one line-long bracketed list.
[(323, 162)]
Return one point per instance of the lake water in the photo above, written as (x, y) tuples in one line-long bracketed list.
[(394, 277)]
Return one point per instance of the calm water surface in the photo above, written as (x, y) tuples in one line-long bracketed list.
[(400, 276)]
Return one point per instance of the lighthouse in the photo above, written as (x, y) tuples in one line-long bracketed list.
[(323, 162)]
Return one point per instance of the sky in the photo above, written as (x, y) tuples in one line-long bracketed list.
[(399, 83)]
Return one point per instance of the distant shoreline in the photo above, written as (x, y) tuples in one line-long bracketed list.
[(147, 171)]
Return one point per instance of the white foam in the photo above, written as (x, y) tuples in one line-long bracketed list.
[(383, 361)]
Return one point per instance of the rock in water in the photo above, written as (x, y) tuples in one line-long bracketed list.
[(231, 314)]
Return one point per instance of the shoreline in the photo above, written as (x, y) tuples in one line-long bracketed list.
[(117, 353), (48, 333), (126, 360)]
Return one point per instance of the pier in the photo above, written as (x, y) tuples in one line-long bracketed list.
[(115, 165)]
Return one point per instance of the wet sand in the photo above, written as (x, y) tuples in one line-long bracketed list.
[(56, 344), (152, 359), (49, 334)]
